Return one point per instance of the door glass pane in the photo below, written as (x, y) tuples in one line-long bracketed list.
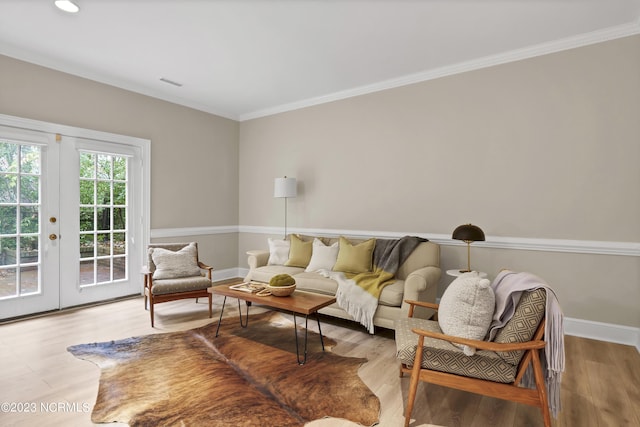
[(87, 273), (20, 182), (86, 192), (104, 166), (29, 280), (8, 221), (104, 193), (29, 219), (29, 189), (87, 165), (8, 188), (103, 253), (8, 157), (30, 159)]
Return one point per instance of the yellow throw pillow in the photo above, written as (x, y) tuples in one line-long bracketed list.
[(355, 259), (300, 252)]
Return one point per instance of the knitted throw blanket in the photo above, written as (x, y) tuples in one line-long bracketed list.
[(358, 294), (508, 288)]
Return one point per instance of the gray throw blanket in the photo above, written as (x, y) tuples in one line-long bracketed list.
[(508, 288), (358, 294)]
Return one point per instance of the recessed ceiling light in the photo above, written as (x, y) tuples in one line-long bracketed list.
[(67, 6)]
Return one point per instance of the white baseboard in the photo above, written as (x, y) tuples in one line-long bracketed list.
[(242, 272), (618, 334), (228, 273)]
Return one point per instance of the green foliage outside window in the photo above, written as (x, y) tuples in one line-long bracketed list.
[(103, 194)]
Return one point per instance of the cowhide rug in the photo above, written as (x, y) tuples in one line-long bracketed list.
[(244, 377)]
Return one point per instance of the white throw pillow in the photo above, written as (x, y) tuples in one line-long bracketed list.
[(173, 265), (278, 251), (322, 257), (466, 309)]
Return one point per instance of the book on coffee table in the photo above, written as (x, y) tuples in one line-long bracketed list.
[(249, 287)]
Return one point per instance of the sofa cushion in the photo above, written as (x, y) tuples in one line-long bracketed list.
[(278, 251), (300, 252), (315, 282), (442, 356), (173, 265), (322, 257), (265, 273), (393, 294), (466, 309), (355, 258)]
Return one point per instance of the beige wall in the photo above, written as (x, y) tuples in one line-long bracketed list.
[(541, 148), (194, 155), (544, 148)]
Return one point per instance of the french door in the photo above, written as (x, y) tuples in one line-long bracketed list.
[(71, 221)]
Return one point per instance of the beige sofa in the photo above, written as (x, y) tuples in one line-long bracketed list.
[(416, 279)]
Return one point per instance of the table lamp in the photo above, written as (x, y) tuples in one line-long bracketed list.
[(468, 233)]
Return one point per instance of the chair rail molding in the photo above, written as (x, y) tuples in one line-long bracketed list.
[(494, 242), (597, 247), (158, 233)]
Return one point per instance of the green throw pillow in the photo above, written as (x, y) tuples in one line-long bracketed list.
[(355, 259), (300, 252)]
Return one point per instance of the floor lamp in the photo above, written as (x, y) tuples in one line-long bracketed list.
[(285, 188)]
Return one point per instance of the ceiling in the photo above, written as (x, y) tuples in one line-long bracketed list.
[(243, 59)]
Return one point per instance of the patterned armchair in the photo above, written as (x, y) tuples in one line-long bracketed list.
[(496, 369), (174, 272)]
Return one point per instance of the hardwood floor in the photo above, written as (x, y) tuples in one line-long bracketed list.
[(601, 384)]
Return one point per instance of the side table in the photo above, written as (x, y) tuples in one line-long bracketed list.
[(456, 273)]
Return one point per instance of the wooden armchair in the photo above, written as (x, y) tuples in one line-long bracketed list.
[(495, 370), (174, 272)]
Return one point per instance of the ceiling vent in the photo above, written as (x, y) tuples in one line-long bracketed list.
[(171, 82)]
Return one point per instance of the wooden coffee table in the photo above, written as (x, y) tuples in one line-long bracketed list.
[(299, 302)]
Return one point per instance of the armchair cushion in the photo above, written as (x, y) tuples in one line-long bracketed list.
[(523, 324), (466, 309), (173, 265), (181, 284), (443, 356)]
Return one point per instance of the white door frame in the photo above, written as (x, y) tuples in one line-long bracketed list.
[(142, 146), (48, 297)]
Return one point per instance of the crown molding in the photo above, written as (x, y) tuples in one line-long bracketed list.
[(567, 43)]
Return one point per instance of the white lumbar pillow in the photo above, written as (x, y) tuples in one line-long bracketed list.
[(466, 309), (278, 251), (322, 257)]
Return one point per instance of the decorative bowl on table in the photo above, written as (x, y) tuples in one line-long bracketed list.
[(281, 291), (281, 285)]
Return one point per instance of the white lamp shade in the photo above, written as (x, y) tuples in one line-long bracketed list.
[(285, 187)]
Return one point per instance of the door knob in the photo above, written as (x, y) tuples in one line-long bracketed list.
[(53, 236)]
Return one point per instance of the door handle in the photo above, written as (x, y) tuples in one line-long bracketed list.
[(53, 236)]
